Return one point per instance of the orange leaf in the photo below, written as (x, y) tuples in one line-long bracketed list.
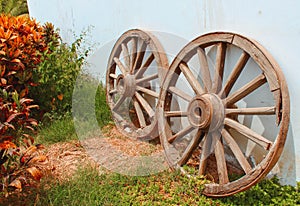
[(7, 144), (60, 97), (35, 173), (16, 183)]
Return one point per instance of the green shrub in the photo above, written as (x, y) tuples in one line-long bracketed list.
[(14, 7), (57, 73), (103, 113)]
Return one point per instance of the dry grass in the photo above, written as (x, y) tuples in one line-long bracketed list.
[(64, 158)]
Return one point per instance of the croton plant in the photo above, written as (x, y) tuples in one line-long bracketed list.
[(22, 45)]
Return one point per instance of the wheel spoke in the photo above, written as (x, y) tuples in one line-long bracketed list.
[(246, 90), (118, 103), (113, 91), (113, 76), (191, 147), (146, 79), (220, 159), (133, 54), (252, 111), (139, 113), (219, 69), (176, 114), (205, 74), (147, 91), (180, 93), (234, 75), (181, 133), (120, 65), (257, 138), (191, 79), (140, 56), (205, 152), (126, 55), (142, 70), (117, 117), (236, 151), (145, 104)]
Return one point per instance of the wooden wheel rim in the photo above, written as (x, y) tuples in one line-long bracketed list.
[(132, 48), (273, 77)]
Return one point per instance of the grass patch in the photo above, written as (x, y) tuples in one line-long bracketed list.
[(102, 110), (267, 192), (168, 188), (60, 130), (89, 188)]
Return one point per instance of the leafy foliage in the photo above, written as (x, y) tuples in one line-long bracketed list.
[(21, 48), (57, 73), (14, 7)]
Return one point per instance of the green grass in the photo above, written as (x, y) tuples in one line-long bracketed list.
[(60, 130), (168, 188), (267, 192), (89, 188)]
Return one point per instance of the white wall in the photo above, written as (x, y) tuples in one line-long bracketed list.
[(273, 23)]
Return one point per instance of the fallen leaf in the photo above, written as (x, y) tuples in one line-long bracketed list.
[(35, 173), (16, 183), (39, 158)]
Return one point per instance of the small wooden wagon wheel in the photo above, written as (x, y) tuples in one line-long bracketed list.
[(234, 115), (135, 70)]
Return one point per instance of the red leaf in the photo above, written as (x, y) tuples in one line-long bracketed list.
[(25, 100), (11, 117), (32, 121), (11, 73), (28, 127), (32, 106), (10, 125), (3, 81), (16, 61)]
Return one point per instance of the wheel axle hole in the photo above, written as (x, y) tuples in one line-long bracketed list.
[(198, 111)]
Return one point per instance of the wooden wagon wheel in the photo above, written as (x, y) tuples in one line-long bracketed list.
[(232, 125), (136, 67)]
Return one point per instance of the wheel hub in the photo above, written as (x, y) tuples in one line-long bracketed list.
[(206, 112), (126, 85)]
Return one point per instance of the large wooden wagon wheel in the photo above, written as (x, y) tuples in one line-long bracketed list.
[(233, 119), (135, 70)]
